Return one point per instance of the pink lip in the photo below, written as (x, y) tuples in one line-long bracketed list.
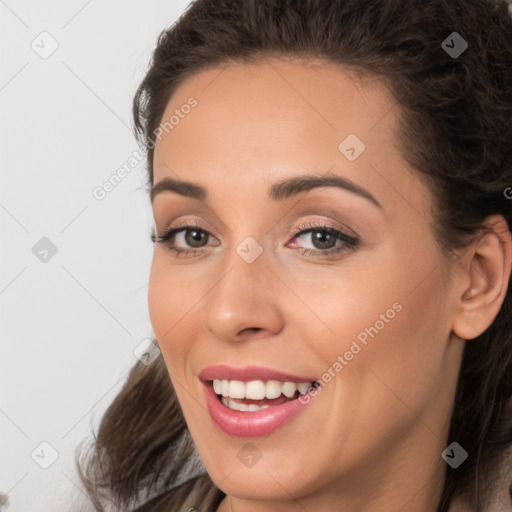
[(248, 373), (250, 424)]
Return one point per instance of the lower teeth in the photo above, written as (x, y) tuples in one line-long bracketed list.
[(236, 406)]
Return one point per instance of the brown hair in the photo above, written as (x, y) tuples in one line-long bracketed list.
[(455, 131)]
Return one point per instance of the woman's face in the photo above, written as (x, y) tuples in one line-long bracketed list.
[(368, 315)]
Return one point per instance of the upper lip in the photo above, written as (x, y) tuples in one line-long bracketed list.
[(248, 373)]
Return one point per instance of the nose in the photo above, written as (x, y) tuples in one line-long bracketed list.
[(245, 302)]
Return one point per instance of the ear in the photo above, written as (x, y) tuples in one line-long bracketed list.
[(486, 268)]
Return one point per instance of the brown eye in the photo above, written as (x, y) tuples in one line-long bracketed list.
[(324, 240), (193, 237)]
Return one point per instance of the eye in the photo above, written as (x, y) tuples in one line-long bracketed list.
[(187, 233), (324, 239)]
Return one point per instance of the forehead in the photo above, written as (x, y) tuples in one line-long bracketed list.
[(259, 122), (279, 104)]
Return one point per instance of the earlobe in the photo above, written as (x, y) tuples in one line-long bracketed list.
[(488, 267)]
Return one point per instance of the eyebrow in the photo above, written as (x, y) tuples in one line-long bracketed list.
[(278, 191)]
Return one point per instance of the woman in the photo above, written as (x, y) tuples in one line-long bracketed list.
[(330, 182)]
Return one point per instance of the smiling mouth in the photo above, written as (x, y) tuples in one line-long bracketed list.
[(255, 395), (254, 408)]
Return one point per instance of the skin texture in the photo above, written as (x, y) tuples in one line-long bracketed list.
[(372, 438)]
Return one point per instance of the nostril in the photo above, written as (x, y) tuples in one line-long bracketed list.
[(253, 329)]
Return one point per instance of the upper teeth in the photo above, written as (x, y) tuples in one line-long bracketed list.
[(258, 389)]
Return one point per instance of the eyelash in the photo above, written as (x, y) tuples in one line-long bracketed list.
[(302, 229)]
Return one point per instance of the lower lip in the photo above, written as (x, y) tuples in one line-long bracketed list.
[(250, 424)]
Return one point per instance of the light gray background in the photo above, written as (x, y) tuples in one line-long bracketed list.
[(69, 325)]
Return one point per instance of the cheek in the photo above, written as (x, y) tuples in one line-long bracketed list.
[(383, 323), (171, 295), (349, 307), (158, 300), (174, 305), (399, 370), (168, 302)]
